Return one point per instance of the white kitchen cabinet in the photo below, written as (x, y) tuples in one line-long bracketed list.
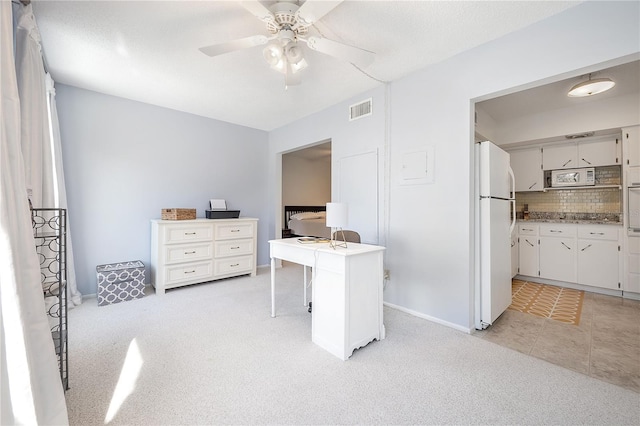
[(585, 153), (599, 257), (599, 152), (527, 169), (631, 149), (556, 157), (185, 252), (514, 252), (558, 253), (632, 284), (528, 249)]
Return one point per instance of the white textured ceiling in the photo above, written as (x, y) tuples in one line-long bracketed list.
[(148, 50)]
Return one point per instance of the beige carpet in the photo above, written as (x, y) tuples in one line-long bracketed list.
[(547, 301)]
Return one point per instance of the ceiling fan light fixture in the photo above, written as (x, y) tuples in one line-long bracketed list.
[(591, 87), (293, 52), (273, 54)]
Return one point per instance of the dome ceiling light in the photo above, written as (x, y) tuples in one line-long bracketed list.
[(591, 87)]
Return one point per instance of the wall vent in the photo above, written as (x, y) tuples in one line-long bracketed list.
[(359, 110)]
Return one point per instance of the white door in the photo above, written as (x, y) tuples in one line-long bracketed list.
[(495, 258)]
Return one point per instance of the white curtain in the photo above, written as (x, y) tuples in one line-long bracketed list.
[(41, 145), (75, 298), (30, 388)]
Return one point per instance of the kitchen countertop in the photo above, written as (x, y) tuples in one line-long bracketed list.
[(580, 218)]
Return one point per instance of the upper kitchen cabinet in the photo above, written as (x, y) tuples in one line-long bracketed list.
[(585, 153), (527, 168), (631, 140)]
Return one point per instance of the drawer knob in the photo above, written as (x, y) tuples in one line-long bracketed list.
[(234, 265), (189, 233), (597, 233), (235, 230), (235, 248), (189, 272), (190, 252)]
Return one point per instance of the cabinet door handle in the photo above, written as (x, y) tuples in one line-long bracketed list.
[(513, 244), (532, 185), (568, 248), (190, 252), (528, 242), (586, 161), (527, 229), (566, 163), (586, 247)]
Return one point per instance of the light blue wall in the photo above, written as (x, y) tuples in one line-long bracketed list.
[(125, 161), (428, 228)]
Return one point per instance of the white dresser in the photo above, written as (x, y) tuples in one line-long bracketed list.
[(187, 252)]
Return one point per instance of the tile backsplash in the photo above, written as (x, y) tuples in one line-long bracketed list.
[(596, 200)]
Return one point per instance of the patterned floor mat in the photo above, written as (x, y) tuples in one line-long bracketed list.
[(547, 301)]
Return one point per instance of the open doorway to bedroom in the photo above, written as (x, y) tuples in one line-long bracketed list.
[(306, 180)]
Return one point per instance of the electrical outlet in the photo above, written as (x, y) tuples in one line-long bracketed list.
[(387, 274)]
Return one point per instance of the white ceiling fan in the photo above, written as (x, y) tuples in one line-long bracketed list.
[(288, 23)]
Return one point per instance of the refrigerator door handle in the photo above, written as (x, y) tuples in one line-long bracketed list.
[(512, 201)]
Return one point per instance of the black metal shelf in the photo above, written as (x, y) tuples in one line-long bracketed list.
[(50, 237)]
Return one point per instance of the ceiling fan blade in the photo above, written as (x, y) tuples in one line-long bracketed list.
[(311, 11), (356, 56), (230, 46), (259, 10)]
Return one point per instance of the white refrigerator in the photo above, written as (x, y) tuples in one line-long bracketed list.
[(496, 216)]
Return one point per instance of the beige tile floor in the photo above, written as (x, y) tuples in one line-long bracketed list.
[(605, 345)]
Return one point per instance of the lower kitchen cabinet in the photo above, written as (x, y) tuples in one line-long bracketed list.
[(633, 265), (528, 250), (599, 257), (185, 252), (514, 252), (573, 253), (558, 254)]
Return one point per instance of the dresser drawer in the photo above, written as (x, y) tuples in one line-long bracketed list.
[(233, 265), (188, 252), (598, 233), (233, 247), (234, 230), (186, 233), (194, 272)]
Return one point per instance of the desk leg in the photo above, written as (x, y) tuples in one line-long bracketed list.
[(304, 302), (273, 287)]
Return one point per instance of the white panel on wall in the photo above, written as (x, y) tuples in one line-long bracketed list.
[(359, 189), (417, 167)]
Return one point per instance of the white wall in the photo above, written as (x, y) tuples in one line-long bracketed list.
[(305, 182), (429, 227), (609, 113), (125, 161)]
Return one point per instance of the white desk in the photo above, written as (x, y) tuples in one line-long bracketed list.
[(346, 292)]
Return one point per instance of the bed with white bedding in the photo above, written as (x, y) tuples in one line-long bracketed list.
[(306, 221)]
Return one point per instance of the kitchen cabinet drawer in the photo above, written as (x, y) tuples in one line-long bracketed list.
[(185, 233), (233, 247), (234, 230), (557, 230), (233, 265), (527, 229), (598, 233), (191, 272), (188, 253)]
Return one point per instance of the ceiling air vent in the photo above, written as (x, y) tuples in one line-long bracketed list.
[(580, 135), (362, 109)]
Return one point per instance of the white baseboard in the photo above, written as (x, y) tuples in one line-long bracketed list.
[(430, 318)]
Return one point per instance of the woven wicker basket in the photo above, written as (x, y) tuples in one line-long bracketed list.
[(178, 214)]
